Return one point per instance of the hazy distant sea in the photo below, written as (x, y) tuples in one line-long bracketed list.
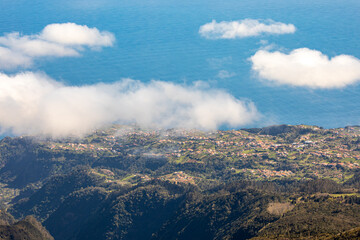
[(158, 39)]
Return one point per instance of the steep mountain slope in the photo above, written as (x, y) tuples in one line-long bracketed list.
[(48, 198), (27, 229)]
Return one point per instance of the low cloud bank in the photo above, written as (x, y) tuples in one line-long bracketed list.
[(304, 67), (55, 40), (244, 28), (33, 103)]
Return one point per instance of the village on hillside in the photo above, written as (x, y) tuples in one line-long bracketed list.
[(314, 153)]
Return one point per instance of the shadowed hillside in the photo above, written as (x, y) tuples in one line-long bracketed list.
[(27, 229)]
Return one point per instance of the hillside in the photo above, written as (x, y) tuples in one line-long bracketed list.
[(26, 229), (276, 182)]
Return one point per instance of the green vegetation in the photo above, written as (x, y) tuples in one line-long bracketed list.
[(298, 182), (27, 229)]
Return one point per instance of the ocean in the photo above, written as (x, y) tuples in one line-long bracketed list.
[(158, 39)]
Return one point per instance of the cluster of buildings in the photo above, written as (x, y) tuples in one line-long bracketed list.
[(321, 150)]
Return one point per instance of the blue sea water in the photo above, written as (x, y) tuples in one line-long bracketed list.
[(158, 39)]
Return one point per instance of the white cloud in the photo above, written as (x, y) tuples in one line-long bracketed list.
[(306, 68), (73, 34), (34, 46), (244, 28), (56, 40), (10, 59), (32, 103)]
